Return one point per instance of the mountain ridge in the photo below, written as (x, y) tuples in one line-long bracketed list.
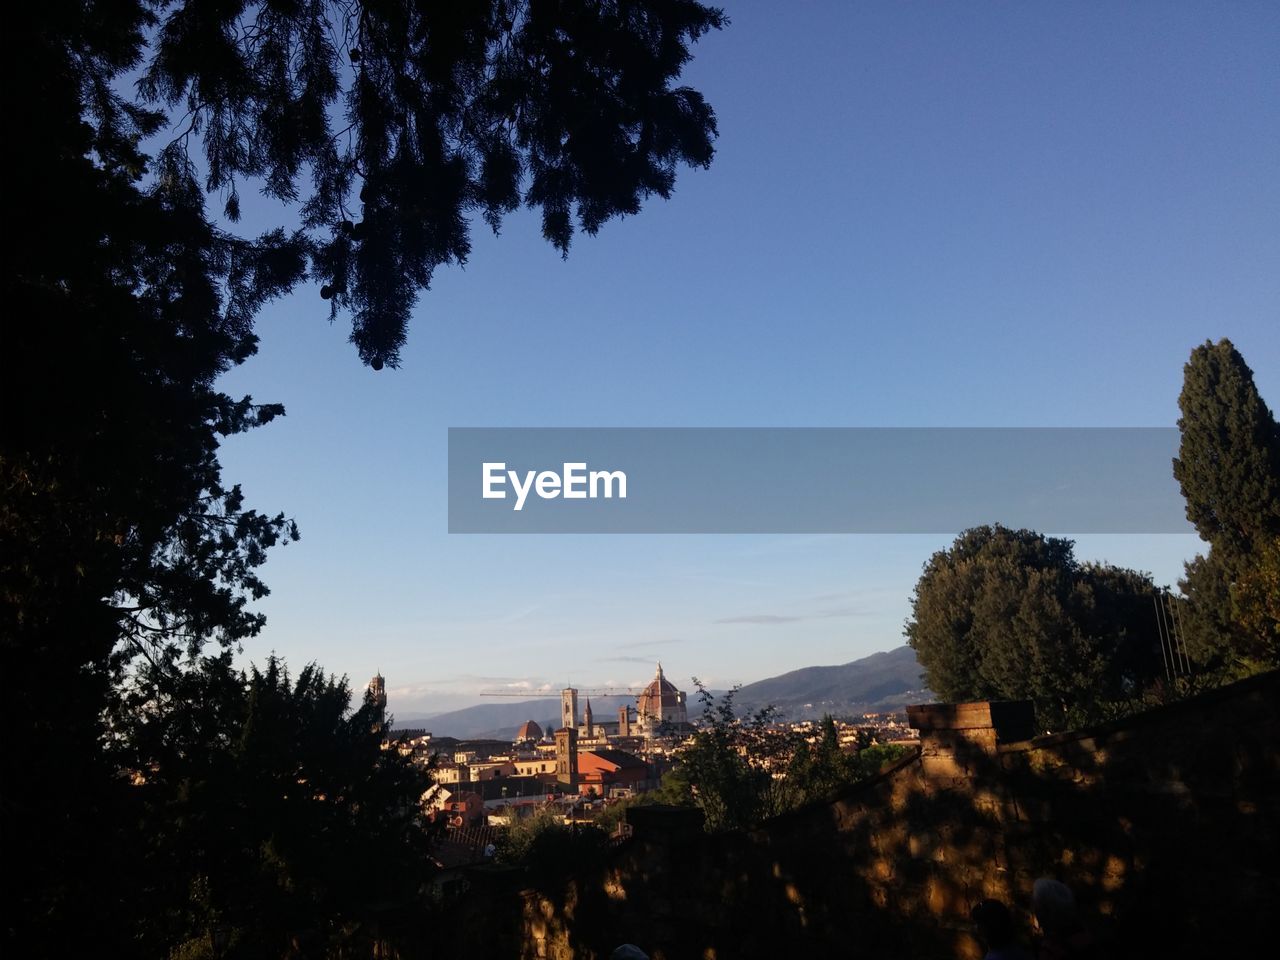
[(881, 682)]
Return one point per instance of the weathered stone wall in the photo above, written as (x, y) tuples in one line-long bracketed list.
[(1165, 825)]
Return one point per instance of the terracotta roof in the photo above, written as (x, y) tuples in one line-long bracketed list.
[(618, 758)]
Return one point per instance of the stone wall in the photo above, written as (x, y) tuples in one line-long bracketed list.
[(1165, 825)]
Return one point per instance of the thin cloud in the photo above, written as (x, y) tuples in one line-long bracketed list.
[(762, 618), (770, 619)]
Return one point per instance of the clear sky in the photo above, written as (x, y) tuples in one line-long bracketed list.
[(920, 214)]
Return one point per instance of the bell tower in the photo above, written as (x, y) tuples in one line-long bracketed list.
[(567, 758), (378, 693), (569, 708)]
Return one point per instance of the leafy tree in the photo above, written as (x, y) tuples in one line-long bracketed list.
[(269, 813), (389, 125), (1256, 599), (1228, 464), (121, 540), (407, 118), (736, 767), (1228, 467), (1010, 614), (822, 768), (877, 756), (742, 770), (549, 849)]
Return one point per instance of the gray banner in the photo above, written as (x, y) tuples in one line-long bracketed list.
[(812, 480)]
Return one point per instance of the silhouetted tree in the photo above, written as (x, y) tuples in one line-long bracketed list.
[(390, 124), (1228, 467), (404, 118), (269, 814), (548, 849), (741, 770), (121, 540), (1010, 614)]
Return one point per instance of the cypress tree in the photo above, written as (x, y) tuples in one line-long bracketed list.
[(1229, 470), (1229, 462)]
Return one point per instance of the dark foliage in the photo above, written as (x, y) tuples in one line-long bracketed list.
[(1229, 469), (123, 550), (547, 849), (403, 119), (269, 813), (742, 770), (120, 539), (1010, 614)]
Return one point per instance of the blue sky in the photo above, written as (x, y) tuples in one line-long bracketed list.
[(920, 214)]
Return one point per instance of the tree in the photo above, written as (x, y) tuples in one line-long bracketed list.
[(269, 813), (1228, 467), (1256, 599), (121, 541), (820, 769), (735, 768), (549, 849), (1228, 463), (408, 118), (127, 299), (742, 770), (1009, 614)]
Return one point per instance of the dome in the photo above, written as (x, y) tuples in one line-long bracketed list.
[(661, 701), (529, 731), (659, 689)]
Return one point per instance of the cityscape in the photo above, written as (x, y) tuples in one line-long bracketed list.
[(585, 766), (640, 480)]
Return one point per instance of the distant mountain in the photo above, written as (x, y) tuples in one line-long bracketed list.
[(874, 684), (404, 720), (501, 719)]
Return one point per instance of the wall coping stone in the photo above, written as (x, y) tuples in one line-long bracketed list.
[(1012, 720)]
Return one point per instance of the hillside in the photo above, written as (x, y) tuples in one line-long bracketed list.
[(501, 719), (880, 682)]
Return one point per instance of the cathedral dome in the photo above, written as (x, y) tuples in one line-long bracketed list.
[(661, 702), (529, 731)]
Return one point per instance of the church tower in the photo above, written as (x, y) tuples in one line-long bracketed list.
[(569, 708), (586, 721), (378, 692), (567, 758)]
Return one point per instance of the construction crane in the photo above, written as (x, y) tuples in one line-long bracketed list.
[(593, 692), (569, 698)]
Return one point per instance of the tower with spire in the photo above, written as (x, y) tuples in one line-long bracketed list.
[(378, 694)]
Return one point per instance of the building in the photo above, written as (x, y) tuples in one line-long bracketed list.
[(602, 771), (569, 708), (459, 808), (660, 705), (378, 693), (529, 732), (536, 766), (567, 758)]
